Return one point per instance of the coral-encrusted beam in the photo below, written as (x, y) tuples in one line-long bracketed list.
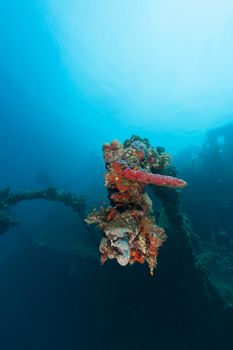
[(153, 179)]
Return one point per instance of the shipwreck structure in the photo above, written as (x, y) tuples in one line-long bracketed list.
[(132, 231)]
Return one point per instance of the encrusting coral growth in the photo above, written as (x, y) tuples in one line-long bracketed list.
[(130, 231)]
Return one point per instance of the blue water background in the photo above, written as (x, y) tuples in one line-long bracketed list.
[(77, 74)]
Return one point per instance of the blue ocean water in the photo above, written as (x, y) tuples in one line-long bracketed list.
[(76, 74)]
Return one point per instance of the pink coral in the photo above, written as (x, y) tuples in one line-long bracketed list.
[(144, 177), (153, 179)]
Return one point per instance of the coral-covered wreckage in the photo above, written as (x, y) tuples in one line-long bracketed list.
[(186, 299), (130, 231)]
